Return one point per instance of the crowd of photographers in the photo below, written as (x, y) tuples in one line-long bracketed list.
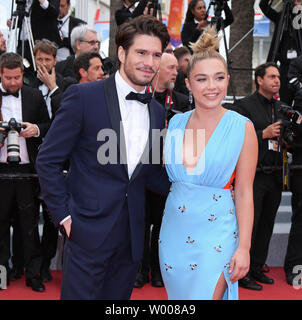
[(66, 52)]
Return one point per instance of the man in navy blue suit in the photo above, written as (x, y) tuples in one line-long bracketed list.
[(107, 137)]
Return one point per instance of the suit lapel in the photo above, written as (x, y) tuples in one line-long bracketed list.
[(145, 158), (115, 117), (25, 114)]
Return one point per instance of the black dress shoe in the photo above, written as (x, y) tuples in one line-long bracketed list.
[(36, 284), (248, 282), (16, 273), (157, 280), (261, 277), (140, 280)]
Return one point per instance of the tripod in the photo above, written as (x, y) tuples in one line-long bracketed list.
[(219, 22), (285, 24), (20, 16)]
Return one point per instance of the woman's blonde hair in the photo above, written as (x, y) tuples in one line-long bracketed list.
[(206, 48)]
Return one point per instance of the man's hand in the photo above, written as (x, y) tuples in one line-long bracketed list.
[(272, 131), (31, 130), (67, 226), (49, 79)]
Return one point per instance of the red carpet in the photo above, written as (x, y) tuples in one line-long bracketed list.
[(279, 291)]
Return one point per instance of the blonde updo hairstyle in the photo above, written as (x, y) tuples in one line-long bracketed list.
[(205, 48)]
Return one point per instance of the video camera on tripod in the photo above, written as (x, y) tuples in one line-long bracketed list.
[(11, 131)]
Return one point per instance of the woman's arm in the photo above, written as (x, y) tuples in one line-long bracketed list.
[(244, 204)]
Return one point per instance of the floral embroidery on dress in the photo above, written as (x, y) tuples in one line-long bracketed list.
[(215, 197), (193, 266), (182, 209), (212, 218), (236, 235), (190, 241), (167, 267), (218, 248)]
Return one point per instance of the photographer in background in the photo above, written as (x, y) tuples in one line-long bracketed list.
[(196, 20), (27, 106), (66, 23), (43, 20), (262, 109), (294, 250), (288, 47), (129, 11)]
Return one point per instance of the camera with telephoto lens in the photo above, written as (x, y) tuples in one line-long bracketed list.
[(11, 131), (292, 127)]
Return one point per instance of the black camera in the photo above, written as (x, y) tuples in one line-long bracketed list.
[(11, 131), (292, 127)]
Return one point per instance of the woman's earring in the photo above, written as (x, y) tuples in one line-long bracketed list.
[(191, 98)]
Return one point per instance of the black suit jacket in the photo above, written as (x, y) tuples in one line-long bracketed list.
[(258, 109), (65, 67), (62, 82), (44, 21), (34, 110)]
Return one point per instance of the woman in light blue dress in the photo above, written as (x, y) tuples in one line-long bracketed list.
[(205, 239)]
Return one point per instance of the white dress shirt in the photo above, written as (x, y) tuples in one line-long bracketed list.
[(12, 108), (47, 97), (136, 125), (135, 121), (63, 52)]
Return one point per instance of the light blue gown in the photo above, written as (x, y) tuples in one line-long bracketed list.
[(199, 231)]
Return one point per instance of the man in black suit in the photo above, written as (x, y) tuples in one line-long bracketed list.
[(83, 39), (51, 85), (66, 23), (262, 109), (27, 106)]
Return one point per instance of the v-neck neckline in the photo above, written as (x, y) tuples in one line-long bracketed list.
[(203, 152)]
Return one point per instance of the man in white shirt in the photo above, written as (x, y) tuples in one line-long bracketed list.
[(27, 106), (109, 140), (66, 23)]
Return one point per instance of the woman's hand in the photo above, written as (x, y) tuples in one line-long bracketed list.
[(240, 264)]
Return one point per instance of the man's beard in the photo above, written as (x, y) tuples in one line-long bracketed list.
[(169, 85)]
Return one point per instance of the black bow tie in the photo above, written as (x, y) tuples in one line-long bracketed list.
[(16, 94), (60, 21), (141, 97)]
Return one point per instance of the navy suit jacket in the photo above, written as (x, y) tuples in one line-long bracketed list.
[(95, 194)]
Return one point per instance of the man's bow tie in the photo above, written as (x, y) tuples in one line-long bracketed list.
[(60, 21), (16, 94), (141, 97)]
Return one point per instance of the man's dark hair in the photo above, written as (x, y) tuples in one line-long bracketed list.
[(181, 51), (10, 60), (45, 46), (261, 70), (83, 61), (142, 25)]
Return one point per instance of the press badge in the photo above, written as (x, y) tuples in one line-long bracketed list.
[(292, 54), (273, 145)]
